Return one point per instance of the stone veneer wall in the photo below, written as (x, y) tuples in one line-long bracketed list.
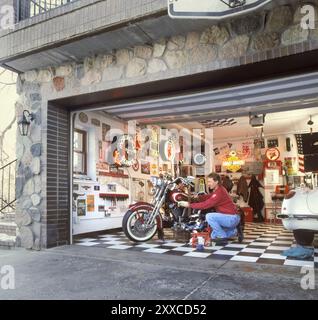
[(247, 39)]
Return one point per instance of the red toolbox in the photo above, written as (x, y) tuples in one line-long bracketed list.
[(248, 213), (206, 235)]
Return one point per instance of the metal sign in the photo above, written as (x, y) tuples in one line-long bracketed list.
[(212, 9)]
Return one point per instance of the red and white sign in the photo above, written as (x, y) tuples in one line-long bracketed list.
[(272, 154), (212, 9)]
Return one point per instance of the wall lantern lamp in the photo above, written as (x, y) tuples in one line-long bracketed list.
[(24, 124)]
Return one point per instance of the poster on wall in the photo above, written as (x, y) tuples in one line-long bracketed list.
[(253, 167), (247, 149), (291, 165), (138, 190), (105, 129), (81, 207), (154, 169), (90, 203), (145, 167), (272, 176)]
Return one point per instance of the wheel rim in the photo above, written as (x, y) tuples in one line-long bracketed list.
[(136, 226)]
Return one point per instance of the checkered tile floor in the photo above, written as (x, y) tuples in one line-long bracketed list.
[(263, 243)]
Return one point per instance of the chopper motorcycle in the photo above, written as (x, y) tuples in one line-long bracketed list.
[(143, 219)]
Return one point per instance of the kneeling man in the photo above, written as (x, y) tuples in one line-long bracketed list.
[(225, 222)]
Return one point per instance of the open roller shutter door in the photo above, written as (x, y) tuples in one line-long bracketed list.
[(282, 94)]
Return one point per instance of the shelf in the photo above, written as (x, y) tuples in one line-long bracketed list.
[(114, 175)]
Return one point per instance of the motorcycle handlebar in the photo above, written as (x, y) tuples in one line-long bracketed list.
[(185, 181)]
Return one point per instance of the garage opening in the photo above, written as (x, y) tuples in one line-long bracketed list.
[(265, 131)]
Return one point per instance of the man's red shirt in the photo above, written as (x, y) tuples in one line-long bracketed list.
[(220, 200)]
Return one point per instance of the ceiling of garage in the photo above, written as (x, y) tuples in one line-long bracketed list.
[(294, 121), (272, 96)]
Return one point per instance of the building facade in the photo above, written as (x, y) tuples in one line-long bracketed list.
[(90, 53)]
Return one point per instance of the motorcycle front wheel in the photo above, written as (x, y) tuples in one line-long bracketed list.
[(134, 225)]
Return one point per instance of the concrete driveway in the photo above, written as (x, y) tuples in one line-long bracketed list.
[(76, 272)]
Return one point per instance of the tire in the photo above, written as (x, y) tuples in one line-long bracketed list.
[(134, 234), (304, 237)]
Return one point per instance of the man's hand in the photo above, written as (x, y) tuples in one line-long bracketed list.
[(183, 204)]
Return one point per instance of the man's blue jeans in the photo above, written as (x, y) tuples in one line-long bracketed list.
[(223, 225)]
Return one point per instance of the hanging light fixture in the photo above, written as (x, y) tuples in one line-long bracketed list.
[(257, 121), (24, 124), (310, 123)]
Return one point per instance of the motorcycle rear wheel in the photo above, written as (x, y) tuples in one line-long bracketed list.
[(133, 226)]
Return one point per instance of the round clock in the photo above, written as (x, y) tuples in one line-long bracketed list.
[(199, 159)]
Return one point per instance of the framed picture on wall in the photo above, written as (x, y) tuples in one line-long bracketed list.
[(81, 207), (272, 176), (90, 203), (145, 167)]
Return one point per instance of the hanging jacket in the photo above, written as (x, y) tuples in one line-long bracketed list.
[(227, 183), (242, 188), (256, 198)]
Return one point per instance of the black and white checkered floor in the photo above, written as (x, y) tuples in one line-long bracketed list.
[(263, 243)]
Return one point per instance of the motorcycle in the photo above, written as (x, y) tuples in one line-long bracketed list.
[(143, 219)]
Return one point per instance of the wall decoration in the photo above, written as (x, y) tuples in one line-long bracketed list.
[(272, 154), (218, 168), (199, 159), (135, 166), (112, 187), (154, 149), (90, 203), (126, 151), (169, 150), (272, 143), (145, 167), (199, 171), (253, 167), (291, 165), (202, 188), (100, 151), (272, 176), (154, 169), (247, 149), (113, 169), (102, 167), (138, 190), (105, 129), (151, 189), (186, 170), (81, 207), (260, 143), (95, 122), (138, 141), (83, 117), (233, 163)]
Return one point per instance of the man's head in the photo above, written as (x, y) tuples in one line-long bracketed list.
[(213, 180)]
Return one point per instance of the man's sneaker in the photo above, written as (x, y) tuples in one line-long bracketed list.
[(220, 241), (240, 234)]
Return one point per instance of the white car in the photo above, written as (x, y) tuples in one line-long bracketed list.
[(300, 214)]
